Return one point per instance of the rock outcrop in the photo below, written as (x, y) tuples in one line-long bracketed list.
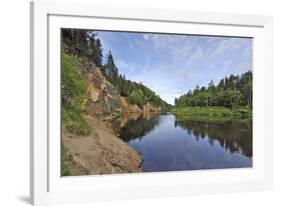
[(150, 108), (129, 108), (103, 97), (101, 152)]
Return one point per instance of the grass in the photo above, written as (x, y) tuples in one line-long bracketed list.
[(214, 113), (74, 93), (69, 167), (65, 170), (75, 122), (117, 114)]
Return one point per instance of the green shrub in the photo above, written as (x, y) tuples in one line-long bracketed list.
[(73, 87), (75, 122), (136, 97), (65, 166), (74, 93), (216, 112), (243, 112)]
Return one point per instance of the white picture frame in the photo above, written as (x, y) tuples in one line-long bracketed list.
[(47, 186)]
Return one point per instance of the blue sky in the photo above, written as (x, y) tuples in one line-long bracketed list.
[(170, 65)]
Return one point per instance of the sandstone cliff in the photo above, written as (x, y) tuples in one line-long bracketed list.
[(101, 151), (103, 97), (129, 108), (150, 108)]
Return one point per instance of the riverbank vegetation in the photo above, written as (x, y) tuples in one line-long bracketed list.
[(94, 95), (86, 44), (214, 113), (231, 92), (137, 93), (91, 92), (74, 92), (231, 98)]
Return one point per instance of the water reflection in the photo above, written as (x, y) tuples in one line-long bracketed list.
[(135, 125), (234, 136), (170, 143)]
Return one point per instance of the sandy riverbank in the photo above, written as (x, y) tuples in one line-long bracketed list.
[(99, 153)]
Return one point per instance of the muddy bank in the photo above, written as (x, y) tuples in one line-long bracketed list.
[(99, 153)]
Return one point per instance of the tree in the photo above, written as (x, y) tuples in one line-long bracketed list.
[(211, 86), (196, 90), (231, 91), (221, 84), (95, 49), (110, 69), (136, 97)]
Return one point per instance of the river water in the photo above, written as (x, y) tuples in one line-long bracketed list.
[(170, 143)]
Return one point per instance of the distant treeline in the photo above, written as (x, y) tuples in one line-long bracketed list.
[(86, 44), (137, 93), (232, 91)]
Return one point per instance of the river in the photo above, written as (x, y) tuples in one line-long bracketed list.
[(170, 143)]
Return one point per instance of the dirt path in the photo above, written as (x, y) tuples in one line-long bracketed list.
[(101, 152)]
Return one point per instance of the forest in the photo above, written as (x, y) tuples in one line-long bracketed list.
[(231, 98), (86, 44), (102, 111), (231, 92)]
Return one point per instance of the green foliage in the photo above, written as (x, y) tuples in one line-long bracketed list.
[(244, 112), (95, 49), (74, 121), (85, 44), (137, 97), (110, 70), (214, 112), (69, 167), (231, 92), (140, 94), (65, 169), (74, 93), (137, 93), (117, 114), (73, 83)]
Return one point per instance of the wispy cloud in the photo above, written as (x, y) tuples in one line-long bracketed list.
[(219, 47), (197, 55), (125, 65), (172, 64)]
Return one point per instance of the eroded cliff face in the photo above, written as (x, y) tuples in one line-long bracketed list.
[(150, 108), (129, 108), (101, 151), (103, 97)]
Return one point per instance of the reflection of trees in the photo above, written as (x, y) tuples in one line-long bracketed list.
[(135, 125), (235, 136)]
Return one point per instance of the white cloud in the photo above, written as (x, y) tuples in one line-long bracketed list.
[(186, 74), (198, 54), (178, 46), (124, 65), (147, 36), (218, 48), (227, 64), (244, 66), (212, 66), (172, 64)]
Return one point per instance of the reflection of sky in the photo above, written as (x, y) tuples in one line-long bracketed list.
[(167, 147), (172, 64)]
